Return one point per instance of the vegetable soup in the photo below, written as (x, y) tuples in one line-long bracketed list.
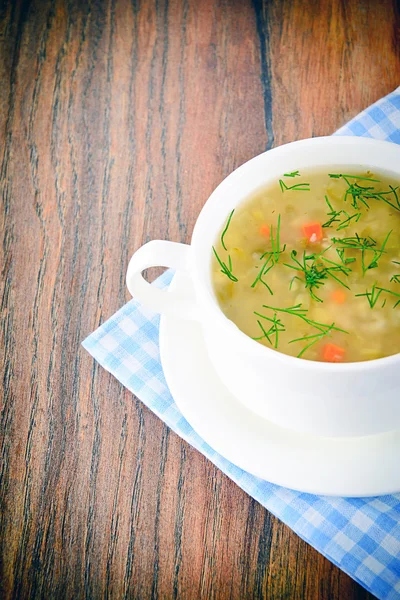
[(310, 265)]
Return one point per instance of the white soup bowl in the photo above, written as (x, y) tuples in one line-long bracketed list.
[(324, 399)]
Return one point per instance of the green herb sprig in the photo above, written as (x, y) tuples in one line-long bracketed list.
[(395, 278), (363, 194), (340, 175), (226, 268), (276, 240), (345, 261), (313, 276), (226, 229), (275, 329), (392, 294), (358, 194), (373, 295), (292, 174), (348, 221), (272, 255), (300, 187), (315, 272), (334, 267), (297, 310), (263, 271), (335, 216), (364, 244), (315, 338)]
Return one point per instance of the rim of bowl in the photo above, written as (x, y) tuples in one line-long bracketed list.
[(230, 327)]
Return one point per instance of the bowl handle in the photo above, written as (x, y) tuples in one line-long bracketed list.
[(161, 254)]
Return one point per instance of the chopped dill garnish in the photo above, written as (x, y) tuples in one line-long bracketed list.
[(225, 269), (363, 194), (292, 174), (394, 192), (347, 221), (275, 329), (265, 334), (373, 295), (395, 278), (345, 261), (336, 267), (358, 194), (329, 204), (276, 241), (263, 271), (340, 175), (313, 277), (297, 311), (335, 217), (226, 229), (392, 294), (301, 187), (315, 272), (315, 338), (356, 242), (364, 244), (333, 214), (375, 195), (272, 254)]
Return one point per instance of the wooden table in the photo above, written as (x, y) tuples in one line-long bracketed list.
[(117, 121)]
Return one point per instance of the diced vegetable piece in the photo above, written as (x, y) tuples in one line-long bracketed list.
[(333, 353), (264, 230), (313, 232), (339, 296)]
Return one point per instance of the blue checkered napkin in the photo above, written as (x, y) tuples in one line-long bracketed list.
[(380, 121), (361, 536)]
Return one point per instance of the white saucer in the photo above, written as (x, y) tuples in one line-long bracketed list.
[(368, 466)]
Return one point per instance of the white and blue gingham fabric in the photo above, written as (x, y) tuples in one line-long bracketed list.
[(361, 536)]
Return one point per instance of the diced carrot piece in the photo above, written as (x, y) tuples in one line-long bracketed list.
[(333, 353), (264, 230), (339, 296), (313, 232)]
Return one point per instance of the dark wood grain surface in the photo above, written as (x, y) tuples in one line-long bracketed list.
[(117, 120)]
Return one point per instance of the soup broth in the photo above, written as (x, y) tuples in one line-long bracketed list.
[(310, 265)]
